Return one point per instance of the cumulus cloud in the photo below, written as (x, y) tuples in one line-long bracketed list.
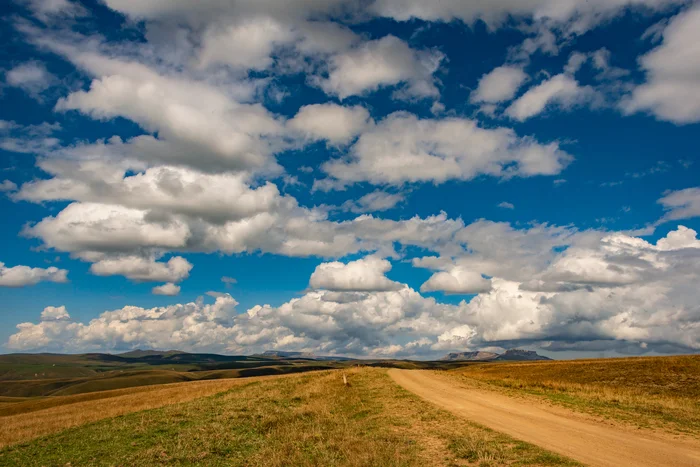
[(499, 85), (560, 90), (363, 275), (168, 288), (54, 313), (653, 307), (333, 123), (162, 189), (209, 125), (308, 322), (254, 40), (497, 249), (672, 88), (22, 276), (402, 148), (140, 269), (199, 179), (384, 62), (457, 281), (506, 205)]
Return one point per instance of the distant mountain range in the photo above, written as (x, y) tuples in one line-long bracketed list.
[(300, 355), (509, 355)]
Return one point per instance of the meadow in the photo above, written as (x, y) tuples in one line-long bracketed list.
[(307, 419), (300, 412)]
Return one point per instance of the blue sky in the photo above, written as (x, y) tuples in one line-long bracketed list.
[(381, 178)]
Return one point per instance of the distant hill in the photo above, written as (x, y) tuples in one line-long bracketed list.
[(301, 355), (138, 353), (469, 356), (21, 367), (285, 354), (479, 356)]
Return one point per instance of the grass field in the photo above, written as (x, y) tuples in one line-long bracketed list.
[(661, 392), (29, 419), (309, 419)]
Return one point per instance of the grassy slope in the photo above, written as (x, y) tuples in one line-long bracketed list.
[(302, 420), (25, 421), (647, 391)]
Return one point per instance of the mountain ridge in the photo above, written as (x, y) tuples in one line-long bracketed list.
[(512, 355)]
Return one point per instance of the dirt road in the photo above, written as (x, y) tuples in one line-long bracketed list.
[(587, 441)]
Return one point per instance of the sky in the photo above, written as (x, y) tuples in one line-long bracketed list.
[(369, 178)]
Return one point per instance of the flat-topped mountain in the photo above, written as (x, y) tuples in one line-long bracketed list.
[(509, 355), (520, 355), (471, 356)]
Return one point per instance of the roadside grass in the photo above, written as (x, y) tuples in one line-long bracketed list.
[(300, 420), (649, 392)]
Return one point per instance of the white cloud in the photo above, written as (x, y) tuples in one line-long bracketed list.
[(168, 288), (30, 139), (229, 281), (162, 189), (199, 124), (54, 313), (313, 322), (31, 77), (655, 308), (506, 205), (7, 185), (560, 90), (681, 204), (402, 148), (497, 249), (374, 202), (141, 269), (88, 227), (384, 62), (572, 16), (363, 275), (22, 276), (334, 123), (457, 281), (499, 85), (247, 44), (672, 89), (46, 10), (600, 62)]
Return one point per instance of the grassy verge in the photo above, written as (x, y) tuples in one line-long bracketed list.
[(304, 420), (658, 392)]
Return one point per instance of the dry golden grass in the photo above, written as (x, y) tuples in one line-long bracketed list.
[(300, 420), (22, 421), (645, 391)]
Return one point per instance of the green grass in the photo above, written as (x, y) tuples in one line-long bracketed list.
[(310, 419)]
